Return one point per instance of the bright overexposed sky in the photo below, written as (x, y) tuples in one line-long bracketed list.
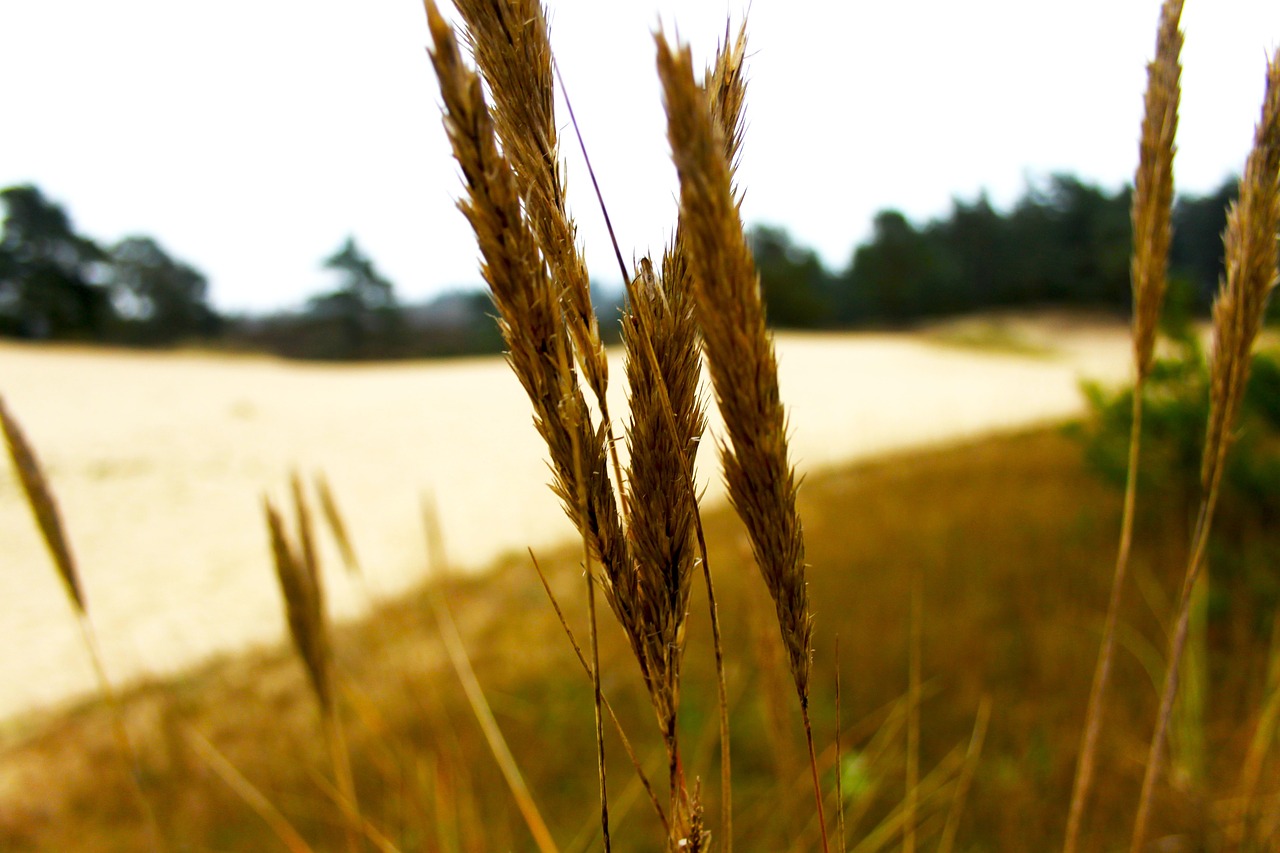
[(251, 136)]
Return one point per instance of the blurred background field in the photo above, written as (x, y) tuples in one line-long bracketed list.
[(159, 462), (1014, 536), (956, 396)]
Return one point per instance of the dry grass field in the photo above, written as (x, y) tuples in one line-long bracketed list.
[(911, 667), (1014, 541), (160, 460)]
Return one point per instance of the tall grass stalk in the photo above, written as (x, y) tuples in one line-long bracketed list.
[(338, 527), (740, 359), (665, 324), (974, 753), (1265, 730), (457, 651), (597, 696), (514, 202), (511, 46), (298, 571), (915, 630), (44, 506), (840, 830), (588, 670), (726, 86), (288, 836), (1251, 255), (1152, 230)]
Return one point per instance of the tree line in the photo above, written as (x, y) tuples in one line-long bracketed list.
[(1065, 243), (58, 284)]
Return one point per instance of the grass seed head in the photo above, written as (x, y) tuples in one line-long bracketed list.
[(667, 421), (740, 357), (1153, 187), (540, 349), (512, 48), (302, 607), (1253, 223), (35, 486)]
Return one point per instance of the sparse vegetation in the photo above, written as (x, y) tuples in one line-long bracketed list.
[(964, 583)]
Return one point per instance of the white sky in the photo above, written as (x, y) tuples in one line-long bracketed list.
[(251, 136)]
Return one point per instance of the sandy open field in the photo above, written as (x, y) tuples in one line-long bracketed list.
[(160, 462)]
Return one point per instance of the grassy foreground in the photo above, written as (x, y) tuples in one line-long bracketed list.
[(1013, 537)]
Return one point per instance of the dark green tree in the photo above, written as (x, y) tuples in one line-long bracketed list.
[(1196, 251), (50, 276), (894, 277), (980, 266), (362, 285), (1069, 245), (1175, 413), (1094, 233), (796, 287), (360, 318), (158, 299)]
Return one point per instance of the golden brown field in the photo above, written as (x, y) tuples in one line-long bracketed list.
[(969, 581), (160, 460)]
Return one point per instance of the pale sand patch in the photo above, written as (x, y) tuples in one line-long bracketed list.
[(160, 461)]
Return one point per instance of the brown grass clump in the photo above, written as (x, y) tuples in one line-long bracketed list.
[(1153, 187), (40, 498), (744, 372), (1251, 259), (511, 48), (534, 272), (43, 506), (648, 550), (667, 421), (760, 480), (298, 571), (1151, 217)]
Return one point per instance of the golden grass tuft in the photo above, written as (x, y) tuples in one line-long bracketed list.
[(515, 203), (1238, 311), (1151, 217), (662, 374), (303, 605), (645, 528), (43, 506), (740, 358), (539, 350), (760, 480), (667, 422), (298, 571)]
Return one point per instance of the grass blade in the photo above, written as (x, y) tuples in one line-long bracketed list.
[(246, 791), (458, 657), (43, 506), (1151, 216)]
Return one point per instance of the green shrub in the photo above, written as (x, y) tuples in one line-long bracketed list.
[(1175, 412)]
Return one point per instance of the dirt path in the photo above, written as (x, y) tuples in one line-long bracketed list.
[(160, 462)]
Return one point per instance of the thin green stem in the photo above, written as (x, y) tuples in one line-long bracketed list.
[(1102, 673), (1177, 644), (123, 743), (813, 771)]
